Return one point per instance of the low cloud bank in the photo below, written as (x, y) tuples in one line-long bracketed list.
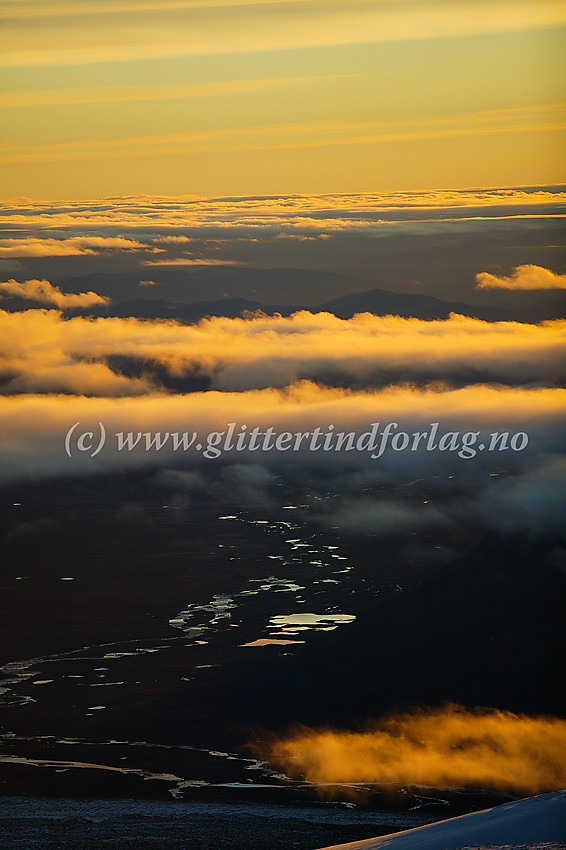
[(34, 428), (43, 352)]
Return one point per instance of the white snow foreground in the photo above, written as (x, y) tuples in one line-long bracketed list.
[(537, 823)]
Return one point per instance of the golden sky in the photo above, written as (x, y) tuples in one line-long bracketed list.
[(240, 97)]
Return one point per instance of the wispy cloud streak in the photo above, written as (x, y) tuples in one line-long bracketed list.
[(125, 32)]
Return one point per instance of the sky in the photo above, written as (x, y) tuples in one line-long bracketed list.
[(302, 96)]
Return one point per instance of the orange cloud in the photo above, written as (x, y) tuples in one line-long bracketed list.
[(45, 293), (72, 247), (452, 746), (523, 277)]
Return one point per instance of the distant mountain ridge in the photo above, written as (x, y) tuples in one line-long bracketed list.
[(409, 305), (380, 302), (229, 307)]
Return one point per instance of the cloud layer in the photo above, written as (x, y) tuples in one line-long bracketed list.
[(34, 429), (339, 243), (111, 356), (294, 375), (302, 214)]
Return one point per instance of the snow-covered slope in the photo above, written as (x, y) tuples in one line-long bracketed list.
[(537, 823)]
